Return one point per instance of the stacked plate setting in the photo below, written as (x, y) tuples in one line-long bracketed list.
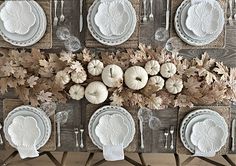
[(26, 24), (204, 131), (111, 125), (199, 22), (111, 22), (42, 120)]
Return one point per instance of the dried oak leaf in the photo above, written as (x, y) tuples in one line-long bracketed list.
[(116, 99), (32, 80), (44, 96), (67, 56), (222, 70), (205, 61), (210, 77)]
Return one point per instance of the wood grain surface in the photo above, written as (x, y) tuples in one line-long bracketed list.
[(154, 140)]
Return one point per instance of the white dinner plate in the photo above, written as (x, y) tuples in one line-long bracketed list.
[(35, 33), (187, 35), (43, 122), (197, 116), (111, 40), (110, 110)]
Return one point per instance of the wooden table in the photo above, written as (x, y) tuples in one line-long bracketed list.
[(154, 140)]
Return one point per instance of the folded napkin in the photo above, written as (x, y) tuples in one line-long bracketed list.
[(113, 152), (204, 154), (26, 152)]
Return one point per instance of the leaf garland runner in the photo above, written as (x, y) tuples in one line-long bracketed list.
[(38, 77)]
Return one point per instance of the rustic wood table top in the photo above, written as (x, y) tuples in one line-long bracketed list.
[(153, 140)]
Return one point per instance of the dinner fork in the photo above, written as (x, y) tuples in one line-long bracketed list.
[(55, 20), (144, 10), (151, 17), (76, 131), (166, 133), (230, 19), (172, 130), (62, 17), (1, 141), (81, 138)]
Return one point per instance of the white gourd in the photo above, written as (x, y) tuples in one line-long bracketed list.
[(76, 92), (62, 77), (152, 67), (136, 77), (174, 85), (78, 77), (112, 76), (95, 67), (158, 80), (96, 92), (168, 70)]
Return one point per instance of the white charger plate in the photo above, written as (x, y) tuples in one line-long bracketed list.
[(35, 33), (197, 116), (187, 35), (43, 122), (110, 110), (111, 40)]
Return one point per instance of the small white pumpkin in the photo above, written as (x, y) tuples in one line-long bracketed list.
[(136, 77), (158, 80), (78, 77), (95, 67), (76, 92), (174, 85), (112, 76), (152, 67), (96, 92), (168, 70), (62, 77)]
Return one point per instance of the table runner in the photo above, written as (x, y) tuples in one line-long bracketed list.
[(131, 43), (10, 104), (224, 111), (218, 43), (46, 41)]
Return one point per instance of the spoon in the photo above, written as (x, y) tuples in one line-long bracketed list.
[(1, 141), (61, 118)]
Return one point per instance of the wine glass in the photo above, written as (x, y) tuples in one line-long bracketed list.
[(72, 44), (63, 33), (154, 123), (161, 34), (49, 108), (174, 44), (145, 114)]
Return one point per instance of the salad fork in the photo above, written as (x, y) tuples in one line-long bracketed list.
[(1, 141), (172, 130), (62, 17), (230, 18), (144, 10), (151, 17), (55, 20), (76, 131), (166, 133)]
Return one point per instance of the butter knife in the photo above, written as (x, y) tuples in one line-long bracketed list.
[(233, 128), (81, 16)]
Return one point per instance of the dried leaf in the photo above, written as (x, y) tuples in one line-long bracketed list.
[(32, 80), (3, 85), (116, 100), (44, 96), (221, 70), (67, 56)]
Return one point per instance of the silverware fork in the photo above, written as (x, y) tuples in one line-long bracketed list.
[(55, 20), (172, 130), (81, 138), (235, 9), (76, 131), (62, 17), (151, 16), (166, 133), (1, 141), (144, 10), (230, 18)]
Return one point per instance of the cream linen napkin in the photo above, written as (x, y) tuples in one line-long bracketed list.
[(113, 152)]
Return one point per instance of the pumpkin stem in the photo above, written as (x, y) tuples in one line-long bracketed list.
[(139, 79), (111, 72)]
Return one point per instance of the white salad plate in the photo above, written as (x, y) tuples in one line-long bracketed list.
[(111, 110), (112, 18), (207, 136), (111, 129), (114, 39), (35, 33), (198, 116), (187, 35), (43, 123)]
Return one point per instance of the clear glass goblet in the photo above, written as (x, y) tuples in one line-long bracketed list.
[(144, 114), (161, 34), (63, 33), (49, 108), (72, 44), (174, 44), (154, 123)]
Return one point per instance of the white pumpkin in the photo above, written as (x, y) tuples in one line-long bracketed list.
[(136, 77), (168, 70), (78, 77), (76, 92), (174, 85), (96, 92), (152, 67), (112, 76), (95, 67), (158, 80), (62, 77)]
